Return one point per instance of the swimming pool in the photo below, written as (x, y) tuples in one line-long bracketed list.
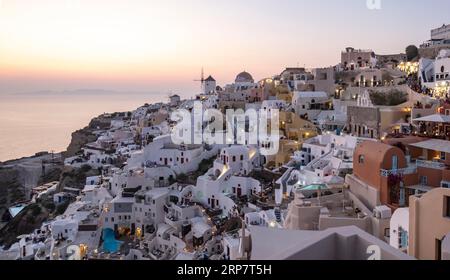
[(15, 210), (110, 244), (315, 187)]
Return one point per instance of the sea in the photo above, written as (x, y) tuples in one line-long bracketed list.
[(44, 121)]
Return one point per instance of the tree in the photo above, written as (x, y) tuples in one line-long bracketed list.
[(412, 52), (36, 210)]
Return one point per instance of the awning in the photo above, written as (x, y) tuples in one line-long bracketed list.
[(420, 188), (437, 118), (434, 145)]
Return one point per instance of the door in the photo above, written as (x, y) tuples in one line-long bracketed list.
[(239, 192), (394, 162), (403, 238), (213, 203), (438, 250)]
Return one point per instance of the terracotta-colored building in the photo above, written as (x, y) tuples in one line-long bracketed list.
[(432, 158), (388, 175), (380, 166)]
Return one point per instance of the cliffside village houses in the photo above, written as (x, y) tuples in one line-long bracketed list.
[(348, 166)]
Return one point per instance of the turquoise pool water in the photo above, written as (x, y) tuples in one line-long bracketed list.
[(315, 187), (14, 211), (110, 244)]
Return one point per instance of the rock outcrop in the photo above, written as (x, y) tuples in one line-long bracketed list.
[(85, 135)]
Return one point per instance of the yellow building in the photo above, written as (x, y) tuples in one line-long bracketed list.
[(281, 92), (286, 151), (294, 132), (295, 128)]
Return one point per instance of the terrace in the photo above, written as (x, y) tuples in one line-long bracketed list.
[(171, 146), (335, 204)]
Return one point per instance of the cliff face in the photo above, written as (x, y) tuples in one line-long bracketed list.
[(25, 222), (17, 177), (11, 191), (76, 177), (85, 135), (79, 138)]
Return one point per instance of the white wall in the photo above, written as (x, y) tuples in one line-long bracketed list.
[(400, 218)]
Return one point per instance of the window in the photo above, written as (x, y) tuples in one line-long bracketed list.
[(394, 162), (442, 155), (361, 159), (447, 206), (423, 180)]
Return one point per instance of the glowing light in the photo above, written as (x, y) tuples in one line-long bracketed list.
[(138, 232), (83, 250)]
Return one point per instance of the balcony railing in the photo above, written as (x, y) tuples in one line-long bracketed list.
[(413, 169), (402, 171), (431, 164)]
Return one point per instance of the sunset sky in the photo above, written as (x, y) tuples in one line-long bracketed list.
[(149, 45)]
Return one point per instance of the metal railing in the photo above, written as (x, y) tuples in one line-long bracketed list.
[(401, 171), (431, 164), (413, 169)]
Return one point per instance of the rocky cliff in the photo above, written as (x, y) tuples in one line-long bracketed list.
[(18, 177), (85, 135)]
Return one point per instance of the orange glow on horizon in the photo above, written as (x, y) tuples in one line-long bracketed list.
[(155, 40)]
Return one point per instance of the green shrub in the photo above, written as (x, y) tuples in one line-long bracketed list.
[(391, 98), (36, 210), (60, 209)]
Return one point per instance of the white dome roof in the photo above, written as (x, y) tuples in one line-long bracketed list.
[(444, 53), (244, 77)]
